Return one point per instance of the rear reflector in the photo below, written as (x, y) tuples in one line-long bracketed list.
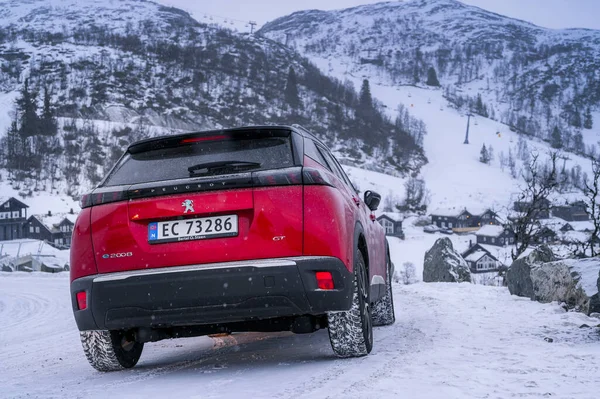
[(324, 280), (81, 300)]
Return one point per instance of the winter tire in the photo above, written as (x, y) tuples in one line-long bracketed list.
[(383, 310), (111, 350), (351, 332)]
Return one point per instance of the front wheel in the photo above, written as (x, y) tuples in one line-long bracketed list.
[(351, 332), (383, 310), (111, 350)]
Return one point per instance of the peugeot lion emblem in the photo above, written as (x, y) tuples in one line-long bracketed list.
[(189, 206)]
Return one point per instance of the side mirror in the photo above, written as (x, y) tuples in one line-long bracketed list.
[(372, 199)]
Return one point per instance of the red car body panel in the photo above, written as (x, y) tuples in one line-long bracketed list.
[(269, 223), (82, 250)]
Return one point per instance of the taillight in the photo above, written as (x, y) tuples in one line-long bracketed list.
[(313, 176), (324, 280), (278, 177), (85, 201), (81, 300), (103, 196)]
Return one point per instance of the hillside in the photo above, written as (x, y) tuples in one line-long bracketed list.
[(96, 82), (531, 78)]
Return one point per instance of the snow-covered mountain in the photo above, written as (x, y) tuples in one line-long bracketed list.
[(529, 77), (115, 71)]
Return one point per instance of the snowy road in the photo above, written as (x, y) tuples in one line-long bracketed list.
[(449, 341)]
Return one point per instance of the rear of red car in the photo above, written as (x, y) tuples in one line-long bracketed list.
[(214, 231)]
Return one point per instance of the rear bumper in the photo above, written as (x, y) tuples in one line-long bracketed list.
[(211, 294)]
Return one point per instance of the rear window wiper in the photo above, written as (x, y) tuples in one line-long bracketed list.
[(212, 167)]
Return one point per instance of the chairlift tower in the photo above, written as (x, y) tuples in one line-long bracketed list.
[(252, 25), (469, 115)]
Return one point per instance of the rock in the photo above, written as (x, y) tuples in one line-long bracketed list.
[(444, 264), (554, 281), (550, 340), (518, 276), (584, 326)]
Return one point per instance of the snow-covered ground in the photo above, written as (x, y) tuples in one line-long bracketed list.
[(449, 341)]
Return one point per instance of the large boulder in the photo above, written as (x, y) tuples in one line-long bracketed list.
[(542, 278), (555, 281), (518, 276), (444, 264)]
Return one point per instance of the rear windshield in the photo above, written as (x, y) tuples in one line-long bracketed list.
[(248, 154)]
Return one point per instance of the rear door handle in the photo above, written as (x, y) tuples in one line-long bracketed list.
[(356, 201)]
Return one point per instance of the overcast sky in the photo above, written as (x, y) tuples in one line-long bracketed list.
[(548, 13)]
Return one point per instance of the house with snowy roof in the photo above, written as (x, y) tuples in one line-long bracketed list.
[(543, 211), (495, 235), (55, 229), (392, 223), (452, 218), (464, 220), (574, 212), (13, 214), (481, 260), (587, 226)]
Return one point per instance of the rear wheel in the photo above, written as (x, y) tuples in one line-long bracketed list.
[(351, 332), (111, 350), (383, 310)]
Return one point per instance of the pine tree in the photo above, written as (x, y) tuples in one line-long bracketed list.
[(556, 138), (484, 156), (576, 119), (365, 99), (27, 112), (48, 124), (588, 121), (291, 90), (432, 79)]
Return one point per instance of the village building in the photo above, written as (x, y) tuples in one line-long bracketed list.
[(463, 221), (481, 260), (543, 211), (495, 235), (54, 229), (392, 224), (13, 214), (574, 212)]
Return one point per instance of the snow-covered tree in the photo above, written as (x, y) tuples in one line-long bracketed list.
[(484, 156)]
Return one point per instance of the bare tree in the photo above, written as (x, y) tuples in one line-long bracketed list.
[(591, 190), (416, 196), (540, 183)]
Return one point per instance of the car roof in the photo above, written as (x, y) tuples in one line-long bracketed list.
[(296, 128)]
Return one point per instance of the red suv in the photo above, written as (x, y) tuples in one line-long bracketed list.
[(247, 229)]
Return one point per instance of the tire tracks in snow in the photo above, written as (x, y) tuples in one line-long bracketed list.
[(402, 336), (221, 345)]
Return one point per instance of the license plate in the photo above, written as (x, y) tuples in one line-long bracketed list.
[(193, 229)]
